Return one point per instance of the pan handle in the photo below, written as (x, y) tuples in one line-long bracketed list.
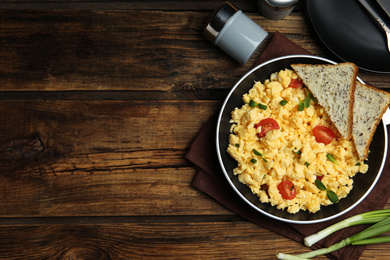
[(386, 117)]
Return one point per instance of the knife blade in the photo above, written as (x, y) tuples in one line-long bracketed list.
[(385, 4), (377, 18)]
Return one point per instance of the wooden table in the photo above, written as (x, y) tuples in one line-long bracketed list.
[(99, 103)]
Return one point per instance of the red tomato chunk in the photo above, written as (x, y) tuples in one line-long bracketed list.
[(287, 190), (323, 134), (295, 83), (267, 125)]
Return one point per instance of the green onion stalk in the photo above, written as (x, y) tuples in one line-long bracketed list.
[(369, 217), (362, 238)]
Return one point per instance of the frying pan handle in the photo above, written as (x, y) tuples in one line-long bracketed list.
[(386, 117)]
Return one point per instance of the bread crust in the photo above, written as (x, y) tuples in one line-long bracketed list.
[(352, 98)]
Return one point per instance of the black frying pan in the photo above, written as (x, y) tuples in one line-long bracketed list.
[(363, 183)]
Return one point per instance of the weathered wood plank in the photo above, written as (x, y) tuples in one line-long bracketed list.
[(92, 130), (99, 50), (210, 5), (105, 50), (208, 240), (99, 157), (168, 240), (116, 191), (186, 95)]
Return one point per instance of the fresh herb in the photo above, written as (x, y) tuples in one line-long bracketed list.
[(237, 145), (307, 164), (307, 100), (261, 106), (380, 219), (252, 103), (283, 102), (301, 106), (357, 164), (319, 185), (297, 152), (330, 194), (253, 160), (312, 97), (255, 152), (331, 158)]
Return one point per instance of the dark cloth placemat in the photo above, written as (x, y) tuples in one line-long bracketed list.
[(210, 179)]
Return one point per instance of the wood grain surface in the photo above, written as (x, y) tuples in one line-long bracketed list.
[(99, 102)]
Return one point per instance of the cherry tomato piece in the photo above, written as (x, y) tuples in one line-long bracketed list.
[(295, 83), (267, 125), (323, 134), (287, 190)]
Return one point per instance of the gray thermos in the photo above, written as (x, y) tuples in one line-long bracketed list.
[(275, 9), (234, 32)]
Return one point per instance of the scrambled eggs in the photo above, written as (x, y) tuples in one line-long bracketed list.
[(289, 152)]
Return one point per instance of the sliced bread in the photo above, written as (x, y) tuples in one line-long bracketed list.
[(370, 105), (333, 86)]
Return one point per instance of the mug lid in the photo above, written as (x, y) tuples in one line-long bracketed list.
[(280, 4), (218, 20)]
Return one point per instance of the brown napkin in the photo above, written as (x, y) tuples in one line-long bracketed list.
[(210, 179)]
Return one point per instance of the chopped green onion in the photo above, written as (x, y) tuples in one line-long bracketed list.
[(253, 161), (301, 106), (331, 158), (312, 97), (257, 152), (261, 106), (332, 196), (283, 102), (307, 100), (319, 185), (299, 152), (252, 103), (361, 238)]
